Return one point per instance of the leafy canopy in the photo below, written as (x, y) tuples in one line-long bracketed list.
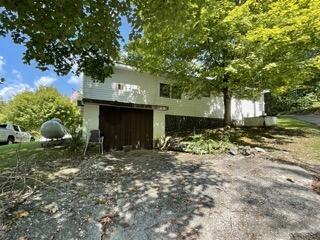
[(63, 34), (31, 109), (244, 46)]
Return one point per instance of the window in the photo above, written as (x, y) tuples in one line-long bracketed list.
[(175, 92), (169, 91), (22, 129), (120, 86), (164, 90), (15, 127), (3, 125)]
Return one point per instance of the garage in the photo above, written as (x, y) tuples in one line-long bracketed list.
[(122, 126)]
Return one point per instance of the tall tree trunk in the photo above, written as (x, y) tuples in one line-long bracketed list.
[(227, 107)]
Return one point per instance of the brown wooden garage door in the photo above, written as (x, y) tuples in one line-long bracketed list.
[(126, 126)]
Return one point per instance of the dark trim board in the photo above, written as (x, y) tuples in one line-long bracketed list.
[(175, 123), (125, 105)]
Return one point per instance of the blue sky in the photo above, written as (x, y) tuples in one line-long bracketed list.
[(21, 77)]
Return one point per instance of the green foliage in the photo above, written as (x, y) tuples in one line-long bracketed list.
[(76, 143), (240, 46), (31, 109), (300, 99), (63, 34), (2, 105), (208, 143)]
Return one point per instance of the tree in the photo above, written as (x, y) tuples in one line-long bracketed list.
[(31, 109), (64, 34), (2, 105), (234, 48)]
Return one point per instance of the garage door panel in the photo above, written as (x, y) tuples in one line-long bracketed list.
[(123, 126)]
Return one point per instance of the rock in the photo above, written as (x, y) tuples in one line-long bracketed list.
[(233, 151), (261, 150), (174, 144), (166, 141), (247, 151), (290, 180)]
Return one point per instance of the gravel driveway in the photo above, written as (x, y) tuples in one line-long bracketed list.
[(163, 195)]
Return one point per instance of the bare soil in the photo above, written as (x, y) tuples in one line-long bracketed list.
[(166, 195)]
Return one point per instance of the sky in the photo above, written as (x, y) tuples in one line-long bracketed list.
[(20, 77)]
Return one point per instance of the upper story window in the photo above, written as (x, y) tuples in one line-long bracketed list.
[(169, 91), (164, 90)]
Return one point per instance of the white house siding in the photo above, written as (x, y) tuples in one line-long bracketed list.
[(90, 118), (143, 88)]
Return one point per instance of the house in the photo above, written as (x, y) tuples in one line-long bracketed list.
[(133, 108)]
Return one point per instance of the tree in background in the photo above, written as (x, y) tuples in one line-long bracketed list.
[(31, 109), (234, 48), (304, 98), (2, 105)]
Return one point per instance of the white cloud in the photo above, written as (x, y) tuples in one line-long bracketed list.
[(2, 63), (13, 89), (17, 75), (76, 80), (44, 81), (15, 86)]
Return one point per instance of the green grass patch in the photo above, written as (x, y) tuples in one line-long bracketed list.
[(312, 130), (292, 123), (29, 152)]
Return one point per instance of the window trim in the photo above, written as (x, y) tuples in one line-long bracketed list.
[(170, 95), (162, 85)]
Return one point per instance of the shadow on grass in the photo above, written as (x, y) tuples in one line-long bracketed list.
[(264, 137)]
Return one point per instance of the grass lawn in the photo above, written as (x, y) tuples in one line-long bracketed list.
[(312, 141), (30, 152)]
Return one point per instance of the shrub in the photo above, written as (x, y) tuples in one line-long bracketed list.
[(76, 143), (204, 144)]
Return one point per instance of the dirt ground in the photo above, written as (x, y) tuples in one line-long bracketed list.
[(165, 195)]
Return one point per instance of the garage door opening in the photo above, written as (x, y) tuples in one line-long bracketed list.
[(126, 126)]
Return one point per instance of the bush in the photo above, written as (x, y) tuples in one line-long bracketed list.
[(208, 143), (294, 101), (76, 143)]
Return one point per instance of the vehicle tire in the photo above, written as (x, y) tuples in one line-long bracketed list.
[(10, 140)]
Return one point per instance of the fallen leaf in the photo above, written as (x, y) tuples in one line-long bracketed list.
[(107, 218), (22, 213), (50, 208), (104, 220), (23, 238)]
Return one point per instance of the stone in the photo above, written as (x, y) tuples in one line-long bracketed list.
[(247, 151), (261, 150), (233, 151)]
